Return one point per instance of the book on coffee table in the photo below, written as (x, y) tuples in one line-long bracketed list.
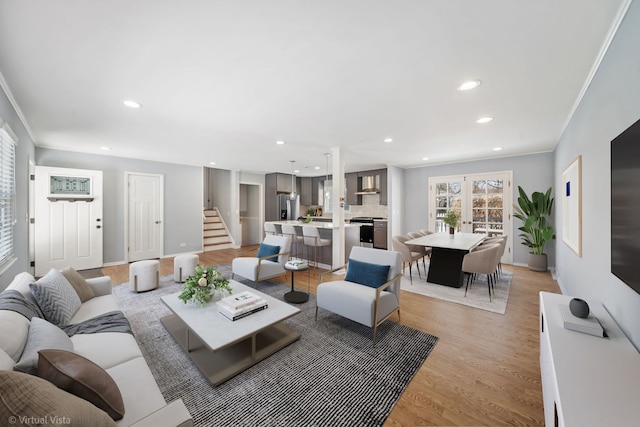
[(241, 300), (235, 313)]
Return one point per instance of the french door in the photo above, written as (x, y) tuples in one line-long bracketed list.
[(482, 200)]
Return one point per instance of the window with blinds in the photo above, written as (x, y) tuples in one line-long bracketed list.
[(7, 194)]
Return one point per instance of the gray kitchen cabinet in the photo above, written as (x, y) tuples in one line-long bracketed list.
[(305, 189), (352, 187), (382, 173)]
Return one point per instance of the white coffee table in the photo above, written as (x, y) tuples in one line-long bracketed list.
[(222, 348)]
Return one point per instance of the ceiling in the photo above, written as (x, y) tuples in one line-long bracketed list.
[(222, 81)]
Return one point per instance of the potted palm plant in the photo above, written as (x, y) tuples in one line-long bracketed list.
[(534, 213), (451, 218)]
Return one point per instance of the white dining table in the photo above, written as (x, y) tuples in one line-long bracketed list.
[(447, 254)]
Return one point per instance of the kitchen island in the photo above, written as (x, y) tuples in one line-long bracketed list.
[(325, 229)]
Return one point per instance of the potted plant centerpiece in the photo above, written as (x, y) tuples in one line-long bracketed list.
[(534, 213), (452, 218), (200, 287)]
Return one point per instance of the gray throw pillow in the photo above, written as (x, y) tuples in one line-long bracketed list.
[(56, 297), (42, 335)]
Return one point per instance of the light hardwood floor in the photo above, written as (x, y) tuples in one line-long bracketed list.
[(483, 371)]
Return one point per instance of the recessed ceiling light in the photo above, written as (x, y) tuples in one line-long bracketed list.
[(280, 142), (425, 158), (105, 148), (316, 167), (472, 84), (212, 163), (497, 148), (388, 140), (131, 104), (485, 119), (296, 171)]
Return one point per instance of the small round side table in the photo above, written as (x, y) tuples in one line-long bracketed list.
[(296, 297)]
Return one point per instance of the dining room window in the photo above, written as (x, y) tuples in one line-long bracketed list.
[(8, 142), (483, 201)]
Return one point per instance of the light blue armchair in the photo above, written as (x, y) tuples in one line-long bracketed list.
[(370, 292)]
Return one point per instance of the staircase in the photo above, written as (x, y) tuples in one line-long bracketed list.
[(215, 233)]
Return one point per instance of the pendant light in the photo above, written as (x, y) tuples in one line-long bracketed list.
[(292, 196)]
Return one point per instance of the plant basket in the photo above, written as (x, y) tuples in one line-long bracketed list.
[(537, 262)]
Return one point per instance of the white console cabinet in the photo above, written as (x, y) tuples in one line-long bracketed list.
[(587, 380)]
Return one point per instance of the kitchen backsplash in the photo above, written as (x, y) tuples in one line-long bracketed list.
[(370, 207)]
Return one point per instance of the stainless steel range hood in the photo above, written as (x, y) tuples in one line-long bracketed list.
[(370, 185)]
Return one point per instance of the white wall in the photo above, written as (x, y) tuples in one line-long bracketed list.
[(183, 195), (25, 150), (610, 105), (533, 173)]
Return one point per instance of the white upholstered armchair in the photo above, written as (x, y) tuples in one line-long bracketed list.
[(266, 265), (370, 293)]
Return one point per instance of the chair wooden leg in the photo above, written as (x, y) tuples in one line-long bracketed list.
[(316, 313), (375, 330), (489, 285)]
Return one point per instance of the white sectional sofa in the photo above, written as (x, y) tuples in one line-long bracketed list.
[(116, 352)]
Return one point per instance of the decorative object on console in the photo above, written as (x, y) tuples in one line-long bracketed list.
[(587, 325), (579, 308), (199, 288)]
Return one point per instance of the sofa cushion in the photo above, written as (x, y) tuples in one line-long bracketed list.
[(83, 378), (37, 399), (94, 307), (42, 335), (14, 329), (99, 348), (266, 250), (365, 273), (56, 297), (21, 284), (139, 389), (82, 288), (6, 362)]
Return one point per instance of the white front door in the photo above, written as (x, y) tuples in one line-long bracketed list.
[(144, 216), (68, 219)]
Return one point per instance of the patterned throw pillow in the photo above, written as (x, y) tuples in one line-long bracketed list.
[(56, 297), (37, 399)]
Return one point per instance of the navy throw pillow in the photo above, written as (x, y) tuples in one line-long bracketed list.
[(266, 250), (364, 273)]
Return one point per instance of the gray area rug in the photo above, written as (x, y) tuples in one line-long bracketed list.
[(477, 296), (332, 376)]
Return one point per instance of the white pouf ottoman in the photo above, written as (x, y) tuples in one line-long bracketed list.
[(184, 266), (144, 275)]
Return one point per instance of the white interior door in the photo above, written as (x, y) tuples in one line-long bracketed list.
[(145, 230), (68, 219), (484, 201)]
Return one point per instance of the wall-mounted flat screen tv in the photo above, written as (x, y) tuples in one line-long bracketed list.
[(625, 206)]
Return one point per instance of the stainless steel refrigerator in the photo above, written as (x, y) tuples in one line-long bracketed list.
[(288, 208)]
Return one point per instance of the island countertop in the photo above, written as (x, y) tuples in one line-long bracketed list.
[(317, 224)]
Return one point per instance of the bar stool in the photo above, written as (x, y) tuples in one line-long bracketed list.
[(290, 231), (270, 229), (312, 238)]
